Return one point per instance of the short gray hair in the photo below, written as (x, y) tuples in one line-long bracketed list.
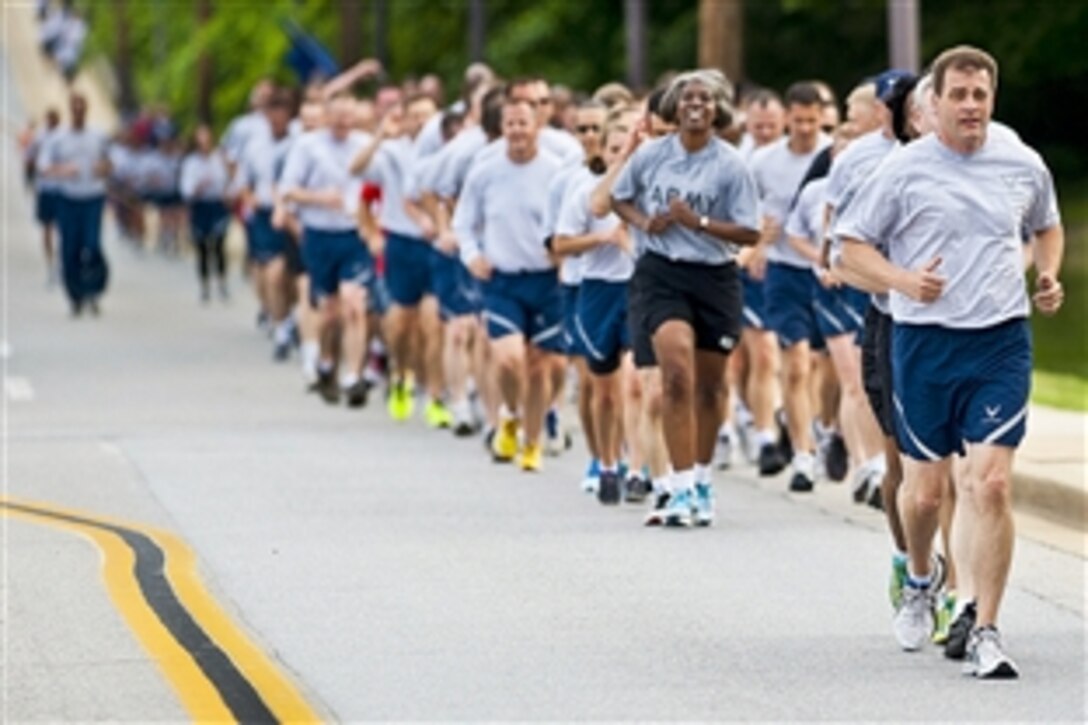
[(721, 90)]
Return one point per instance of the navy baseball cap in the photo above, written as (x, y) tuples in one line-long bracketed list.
[(889, 81)]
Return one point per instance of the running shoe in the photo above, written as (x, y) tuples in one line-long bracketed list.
[(725, 454), (986, 657), (401, 403), (635, 488), (608, 492), (591, 481), (553, 435), (913, 623), (876, 497), (437, 415), (955, 647), (784, 441), (897, 581), (678, 509), (327, 387), (656, 517), (532, 458), (865, 480), (803, 479), (946, 609), (357, 393), (504, 446), (836, 461), (703, 504), (281, 352), (771, 460)]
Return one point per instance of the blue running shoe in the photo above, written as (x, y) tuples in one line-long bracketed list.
[(592, 479), (702, 509), (678, 510)]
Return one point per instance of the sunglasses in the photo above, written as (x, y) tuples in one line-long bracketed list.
[(587, 128)]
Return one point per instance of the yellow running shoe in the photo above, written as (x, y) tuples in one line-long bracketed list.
[(401, 401), (532, 458), (438, 415), (504, 446)]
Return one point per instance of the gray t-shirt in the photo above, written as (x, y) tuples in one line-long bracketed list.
[(43, 138), (713, 181), (319, 162), (84, 149), (570, 269), (928, 201), (806, 220), (501, 210), (262, 166), (778, 172), (207, 172), (604, 262), (855, 163), (457, 158), (391, 168)]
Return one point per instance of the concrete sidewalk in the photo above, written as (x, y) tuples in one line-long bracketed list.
[(1049, 477)]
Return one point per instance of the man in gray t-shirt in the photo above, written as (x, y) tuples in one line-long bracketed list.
[(951, 209)]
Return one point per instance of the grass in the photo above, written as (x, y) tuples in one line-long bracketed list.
[(1061, 342), (1055, 390)]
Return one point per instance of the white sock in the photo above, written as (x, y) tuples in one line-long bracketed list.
[(506, 414), (310, 352), (744, 416), (683, 480), (613, 468), (662, 484), (702, 474), (325, 366), (877, 465), (767, 436), (348, 379), (805, 463), (283, 331), (726, 431)]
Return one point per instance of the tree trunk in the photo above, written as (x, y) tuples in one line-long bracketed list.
[(351, 32), (634, 15), (205, 69), (721, 35), (381, 32), (903, 26), (126, 87), (477, 30)]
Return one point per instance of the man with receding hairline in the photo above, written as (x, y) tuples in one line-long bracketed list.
[(950, 210)]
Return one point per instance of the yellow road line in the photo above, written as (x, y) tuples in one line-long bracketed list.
[(197, 692)]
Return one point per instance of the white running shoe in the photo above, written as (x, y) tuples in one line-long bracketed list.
[(914, 620), (986, 658)]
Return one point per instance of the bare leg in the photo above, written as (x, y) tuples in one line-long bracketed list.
[(674, 348)]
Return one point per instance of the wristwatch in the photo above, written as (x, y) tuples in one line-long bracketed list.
[(704, 222)]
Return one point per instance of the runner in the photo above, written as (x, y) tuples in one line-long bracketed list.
[(413, 330), (205, 186), (259, 170), (498, 223), (692, 200), (46, 191), (316, 178), (790, 286), (600, 318), (77, 159), (961, 343)]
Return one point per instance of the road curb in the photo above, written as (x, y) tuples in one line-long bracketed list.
[(1057, 502)]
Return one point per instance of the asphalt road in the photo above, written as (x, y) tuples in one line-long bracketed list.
[(395, 573)]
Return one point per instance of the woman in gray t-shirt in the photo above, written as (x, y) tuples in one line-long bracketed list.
[(689, 200)]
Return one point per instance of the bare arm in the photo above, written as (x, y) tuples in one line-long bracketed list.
[(366, 68), (1049, 248), (865, 267)]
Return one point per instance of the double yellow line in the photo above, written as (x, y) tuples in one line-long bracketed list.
[(218, 673)]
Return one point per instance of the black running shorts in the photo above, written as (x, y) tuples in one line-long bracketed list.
[(876, 368), (707, 297)]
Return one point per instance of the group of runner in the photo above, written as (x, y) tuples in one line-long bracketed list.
[(708, 279)]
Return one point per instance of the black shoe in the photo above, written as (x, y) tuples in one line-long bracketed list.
[(836, 462), (771, 460), (92, 305), (608, 492), (955, 647), (281, 352), (464, 429), (358, 393), (656, 517), (800, 483), (327, 387), (876, 498), (77, 309), (635, 489)]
